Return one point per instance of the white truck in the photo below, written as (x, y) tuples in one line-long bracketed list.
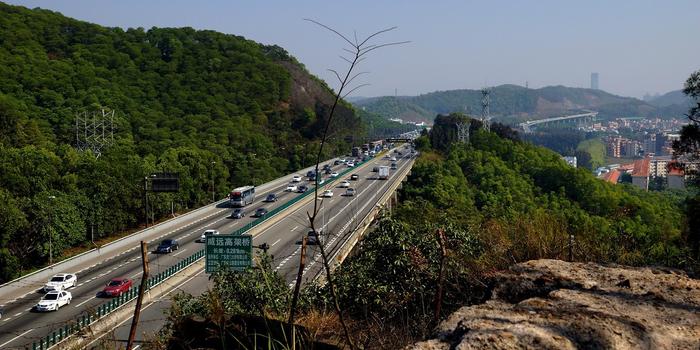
[(383, 172)]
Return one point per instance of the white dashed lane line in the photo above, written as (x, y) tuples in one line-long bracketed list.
[(15, 338), (180, 252), (277, 241), (81, 304)]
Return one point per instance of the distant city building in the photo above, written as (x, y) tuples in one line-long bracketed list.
[(660, 143), (594, 81), (630, 148), (613, 146), (571, 160), (649, 144)]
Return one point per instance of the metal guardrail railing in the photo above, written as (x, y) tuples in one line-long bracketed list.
[(60, 334)]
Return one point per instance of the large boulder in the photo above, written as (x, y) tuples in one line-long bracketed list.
[(552, 304)]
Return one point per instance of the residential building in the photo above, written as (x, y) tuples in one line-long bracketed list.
[(640, 173)]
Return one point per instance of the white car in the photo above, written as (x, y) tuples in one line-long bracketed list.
[(203, 237), (393, 159), (52, 301), (350, 164), (61, 281), (291, 188), (344, 184), (334, 174), (296, 178), (327, 193)]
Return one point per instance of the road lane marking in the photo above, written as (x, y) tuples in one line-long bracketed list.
[(135, 275), (277, 241), (15, 338), (17, 314), (295, 228), (81, 304), (180, 252)]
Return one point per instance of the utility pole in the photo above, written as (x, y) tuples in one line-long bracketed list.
[(145, 195), (139, 300), (51, 230), (213, 199)]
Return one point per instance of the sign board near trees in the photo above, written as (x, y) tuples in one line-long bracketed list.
[(165, 182), (231, 252)]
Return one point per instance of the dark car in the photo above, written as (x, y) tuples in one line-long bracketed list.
[(336, 162), (326, 166), (167, 246), (328, 171), (310, 173), (302, 189), (116, 287), (271, 198), (260, 212), (393, 165), (238, 213), (312, 236), (375, 169), (354, 177)]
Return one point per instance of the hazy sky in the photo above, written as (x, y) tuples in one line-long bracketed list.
[(636, 46)]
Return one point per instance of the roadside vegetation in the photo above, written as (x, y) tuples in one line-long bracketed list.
[(491, 203)]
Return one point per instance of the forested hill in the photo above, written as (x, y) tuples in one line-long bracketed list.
[(512, 103), (204, 104)]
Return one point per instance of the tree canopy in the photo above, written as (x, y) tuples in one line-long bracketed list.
[(204, 104)]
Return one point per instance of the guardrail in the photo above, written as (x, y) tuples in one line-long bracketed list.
[(60, 334), (338, 256)]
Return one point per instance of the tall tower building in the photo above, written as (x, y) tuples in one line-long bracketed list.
[(594, 81)]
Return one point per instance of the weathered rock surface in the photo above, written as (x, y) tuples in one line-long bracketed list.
[(552, 304)]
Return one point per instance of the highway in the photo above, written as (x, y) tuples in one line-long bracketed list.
[(20, 325), (338, 217)]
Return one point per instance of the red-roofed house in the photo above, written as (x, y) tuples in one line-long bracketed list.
[(612, 176), (640, 173), (676, 176)]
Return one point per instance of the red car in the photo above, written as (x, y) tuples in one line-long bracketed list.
[(117, 286)]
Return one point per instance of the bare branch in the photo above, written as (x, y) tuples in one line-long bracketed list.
[(377, 33), (355, 88), (350, 51), (345, 59), (340, 80), (331, 29), (384, 45), (355, 76)]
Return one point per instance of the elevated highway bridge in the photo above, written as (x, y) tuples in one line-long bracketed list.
[(578, 119)]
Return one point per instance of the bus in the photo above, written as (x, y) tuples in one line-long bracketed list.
[(242, 196)]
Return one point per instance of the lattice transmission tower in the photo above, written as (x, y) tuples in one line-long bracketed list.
[(485, 113), (463, 131), (94, 130)]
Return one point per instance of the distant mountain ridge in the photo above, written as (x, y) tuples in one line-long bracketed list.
[(676, 97), (513, 103)]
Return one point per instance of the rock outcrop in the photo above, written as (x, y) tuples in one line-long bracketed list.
[(552, 304)]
